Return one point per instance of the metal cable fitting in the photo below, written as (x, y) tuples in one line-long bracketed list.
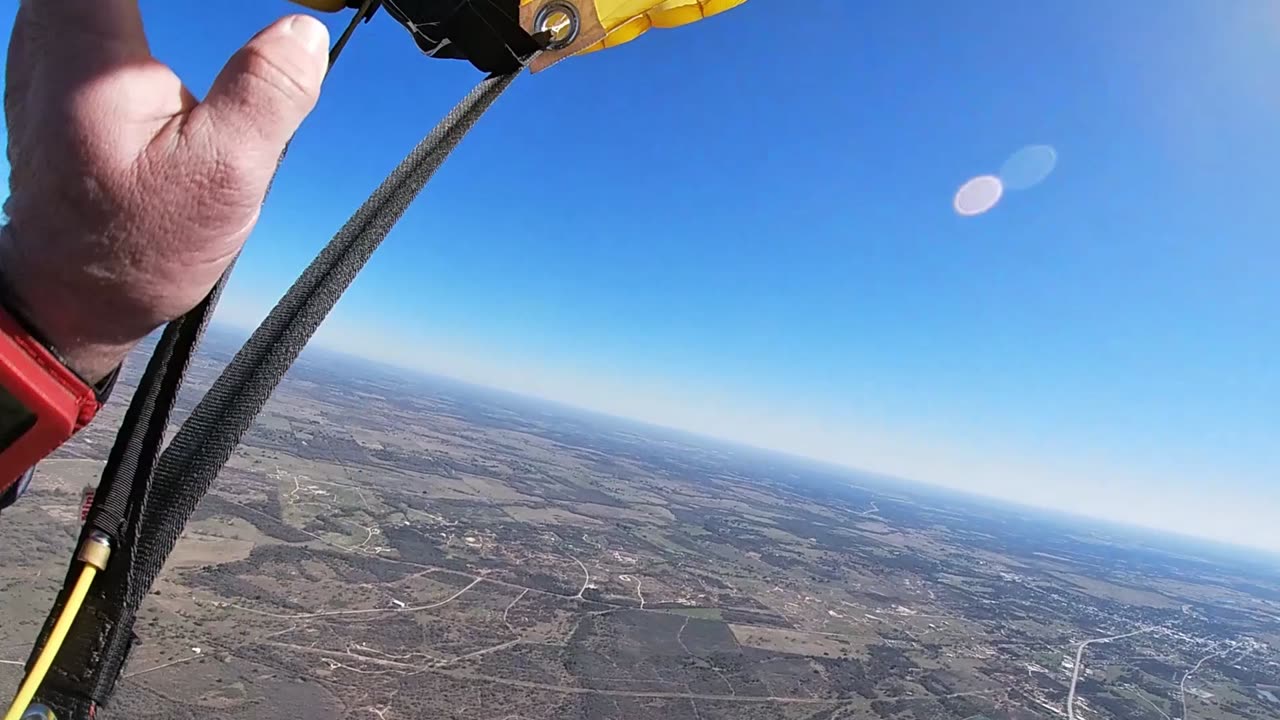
[(95, 551)]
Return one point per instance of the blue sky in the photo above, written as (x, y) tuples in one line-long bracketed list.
[(752, 237)]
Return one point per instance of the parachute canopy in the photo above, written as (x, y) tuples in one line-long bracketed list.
[(614, 22), (500, 35)]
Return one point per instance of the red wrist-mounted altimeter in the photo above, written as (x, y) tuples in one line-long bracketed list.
[(43, 403)]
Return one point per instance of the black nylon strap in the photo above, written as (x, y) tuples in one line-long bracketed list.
[(72, 684), (85, 672), (206, 440)]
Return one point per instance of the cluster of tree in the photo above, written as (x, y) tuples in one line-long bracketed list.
[(1117, 707), (225, 583), (412, 460), (265, 516), (746, 617), (885, 662), (849, 676), (1249, 710), (915, 709), (416, 546), (325, 523), (534, 663)]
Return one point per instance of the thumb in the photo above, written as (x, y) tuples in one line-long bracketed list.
[(266, 89)]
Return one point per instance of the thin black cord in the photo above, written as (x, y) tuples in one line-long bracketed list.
[(366, 9)]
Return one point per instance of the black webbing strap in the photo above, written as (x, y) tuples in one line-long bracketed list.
[(85, 671)]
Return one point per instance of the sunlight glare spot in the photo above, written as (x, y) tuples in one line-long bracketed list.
[(978, 195)]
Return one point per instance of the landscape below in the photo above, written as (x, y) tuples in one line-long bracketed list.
[(386, 545)]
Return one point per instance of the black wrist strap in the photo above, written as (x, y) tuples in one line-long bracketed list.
[(16, 310), (103, 388)]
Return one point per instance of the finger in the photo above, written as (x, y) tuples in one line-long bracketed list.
[(101, 32), (266, 90)]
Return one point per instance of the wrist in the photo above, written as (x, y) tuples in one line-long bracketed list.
[(74, 308)]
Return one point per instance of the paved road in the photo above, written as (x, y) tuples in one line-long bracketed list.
[(1075, 675), (1182, 686)]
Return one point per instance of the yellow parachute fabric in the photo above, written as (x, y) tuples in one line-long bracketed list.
[(626, 20), (602, 24)]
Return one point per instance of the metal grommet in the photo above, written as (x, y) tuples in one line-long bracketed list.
[(560, 20)]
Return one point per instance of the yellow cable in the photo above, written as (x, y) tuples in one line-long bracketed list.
[(32, 681)]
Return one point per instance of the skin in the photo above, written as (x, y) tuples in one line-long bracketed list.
[(128, 196)]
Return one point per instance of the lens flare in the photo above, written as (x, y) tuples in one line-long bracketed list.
[(978, 195), (1028, 167)]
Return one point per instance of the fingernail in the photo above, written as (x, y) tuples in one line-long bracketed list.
[(312, 33)]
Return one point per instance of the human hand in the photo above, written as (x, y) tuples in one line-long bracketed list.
[(129, 198)]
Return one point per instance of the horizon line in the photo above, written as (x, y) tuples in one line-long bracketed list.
[(1270, 553)]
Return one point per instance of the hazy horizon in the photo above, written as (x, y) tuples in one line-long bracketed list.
[(904, 483)]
